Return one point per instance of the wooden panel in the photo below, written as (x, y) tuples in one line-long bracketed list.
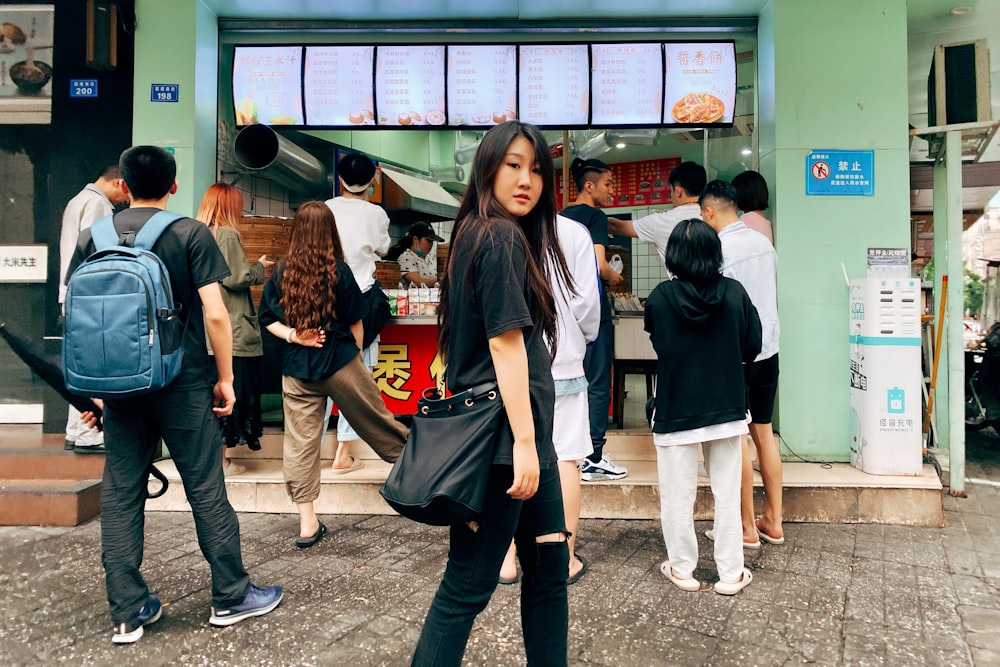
[(265, 236)]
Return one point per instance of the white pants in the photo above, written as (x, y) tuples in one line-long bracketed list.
[(346, 432), (677, 467), (78, 433)]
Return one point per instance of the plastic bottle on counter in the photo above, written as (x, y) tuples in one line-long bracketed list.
[(435, 294)]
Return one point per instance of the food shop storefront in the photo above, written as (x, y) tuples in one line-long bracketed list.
[(786, 98)]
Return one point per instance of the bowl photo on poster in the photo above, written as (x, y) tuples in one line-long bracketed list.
[(26, 38)]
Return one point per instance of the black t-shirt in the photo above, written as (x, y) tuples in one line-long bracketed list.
[(497, 302), (193, 260), (311, 364), (596, 222)]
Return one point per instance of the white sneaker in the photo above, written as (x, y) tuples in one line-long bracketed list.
[(603, 470)]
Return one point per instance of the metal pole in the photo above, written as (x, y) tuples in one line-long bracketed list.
[(956, 305)]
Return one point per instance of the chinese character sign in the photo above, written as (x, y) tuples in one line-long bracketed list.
[(23, 263), (840, 173)]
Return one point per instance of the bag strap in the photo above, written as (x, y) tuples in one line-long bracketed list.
[(153, 228), (104, 234)]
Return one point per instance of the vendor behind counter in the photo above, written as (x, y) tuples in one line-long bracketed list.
[(414, 252)]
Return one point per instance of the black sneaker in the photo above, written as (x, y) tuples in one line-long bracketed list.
[(69, 445), (128, 633), (257, 602)]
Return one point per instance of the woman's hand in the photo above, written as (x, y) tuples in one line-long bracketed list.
[(265, 262), (309, 337), (526, 471)]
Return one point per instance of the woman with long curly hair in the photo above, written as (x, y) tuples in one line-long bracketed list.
[(497, 317), (220, 209), (313, 304)]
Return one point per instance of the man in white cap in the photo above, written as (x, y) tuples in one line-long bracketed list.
[(364, 235)]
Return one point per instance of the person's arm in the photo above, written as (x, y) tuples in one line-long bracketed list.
[(510, 360), (608, 275), (241, 274), (420, 279), (619, 227), (358, 331), (305, 338), (220, 335), (586, 303)]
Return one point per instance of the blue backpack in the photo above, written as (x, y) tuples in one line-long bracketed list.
[(123, 334)]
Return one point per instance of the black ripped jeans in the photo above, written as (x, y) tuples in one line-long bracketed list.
[(474, 561)]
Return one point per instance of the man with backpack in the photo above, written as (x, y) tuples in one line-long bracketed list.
[(182, 413)]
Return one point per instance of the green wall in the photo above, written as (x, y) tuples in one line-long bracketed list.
[(177, 42), (832, 76)]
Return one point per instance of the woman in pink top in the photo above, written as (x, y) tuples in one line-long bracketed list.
[(751, 197)]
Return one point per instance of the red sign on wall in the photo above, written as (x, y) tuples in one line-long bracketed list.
[(642, 183), (408, 363)]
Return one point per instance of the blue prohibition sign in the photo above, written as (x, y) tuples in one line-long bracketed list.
[(840, 173)]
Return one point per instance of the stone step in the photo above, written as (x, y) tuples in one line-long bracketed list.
[(48, 462), (628, 444), (834, 493), (48, 502)]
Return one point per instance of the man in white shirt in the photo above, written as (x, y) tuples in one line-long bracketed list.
[(94, 202), (686, 182), (364, 235), (748, 257)]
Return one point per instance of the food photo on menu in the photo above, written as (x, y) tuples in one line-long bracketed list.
[(409, 85), (267, 85), (482, 84), (700, 87), (26, 37)]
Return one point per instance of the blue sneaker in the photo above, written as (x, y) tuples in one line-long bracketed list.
[(130, 632), (257, 602)]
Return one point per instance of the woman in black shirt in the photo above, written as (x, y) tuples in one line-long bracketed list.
[(496, 310), (313, 304)]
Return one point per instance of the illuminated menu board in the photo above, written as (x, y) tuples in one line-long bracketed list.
[(337, 84), (267, 85), (409, 85), (626, 84), (482, 84), (554, 85), (700, 83)]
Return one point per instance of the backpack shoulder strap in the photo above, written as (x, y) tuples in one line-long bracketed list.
[(103, 232), (153, 228)]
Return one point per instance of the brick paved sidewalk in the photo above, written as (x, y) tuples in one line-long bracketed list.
[(832, 595)]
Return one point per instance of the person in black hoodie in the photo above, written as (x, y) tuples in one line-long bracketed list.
[(703, 328)]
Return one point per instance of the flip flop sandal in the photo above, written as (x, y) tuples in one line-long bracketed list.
[(584, 566), (233, 469), (735, 587), (356, 464), (306, 542), (690, 584), (767, 538)]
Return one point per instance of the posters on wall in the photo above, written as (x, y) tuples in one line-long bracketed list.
[(336, 83), (700, 86), (626, 84), (553, 86), (482, 84), (409, 85), (609, 85), (26, 44), (267, 85)]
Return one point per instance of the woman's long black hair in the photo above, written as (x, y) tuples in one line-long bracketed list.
[(480, 212)]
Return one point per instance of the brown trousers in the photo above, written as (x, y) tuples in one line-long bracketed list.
[(358, 398)]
